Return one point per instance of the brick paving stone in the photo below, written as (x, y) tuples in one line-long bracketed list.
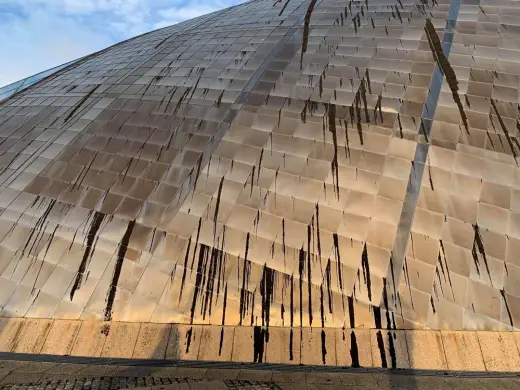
[(186, 372), (11, 365), (133, 371), (38, 376), (288, 377), (4, 374), (297, 386), (365, 380), (66, 369), (208, 385), (322, 386), (499, 384), (35, 367), (96, 370), (15, 378), (216, 373), (56, 377), (174, 386), (250, 385), (256, 375), (327, 378)]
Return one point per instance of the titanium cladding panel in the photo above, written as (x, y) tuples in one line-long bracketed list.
[(279, 163)]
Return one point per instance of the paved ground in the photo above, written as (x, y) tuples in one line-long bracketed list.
[(23, 375)]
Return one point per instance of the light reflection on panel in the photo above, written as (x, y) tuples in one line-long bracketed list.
[(288, 164), (11, 89)]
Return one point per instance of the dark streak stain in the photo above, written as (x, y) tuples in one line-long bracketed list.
[(89, 251), (306, 24), (189, 335), (382, 351), (267, 293), (301, 268), (351, 313), (217, 206), (283, 8), (245, 281), (223, 321), (186, 256), (123, 246), (445, 67), (323, 347), (504, 129), (502, 292), (354, 352), (332, 129), (366, 271), (80, 103), (479, 244), (391, 349)]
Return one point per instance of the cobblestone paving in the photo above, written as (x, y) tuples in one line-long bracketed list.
[(20, 375), (103, 383), (251, 385), (116, 383)]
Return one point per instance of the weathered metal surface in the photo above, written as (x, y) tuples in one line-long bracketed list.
[(297, 164)]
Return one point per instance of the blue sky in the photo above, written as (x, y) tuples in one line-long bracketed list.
[(39, 34)]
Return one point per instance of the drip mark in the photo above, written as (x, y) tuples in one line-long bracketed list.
[(400, 125), (291, 343), (377, 317), (186, 256), (407, 279), (504, 129), (123, 246), (445, 68), (447, 269), (245, 281), (328, 280), (318, 230), (301, 265), (478, 243), (366, 272), (323, 347), (430, 174), (354, 352), (381, 346), (267, 294), (89, 251), (223, 322), (309, 278), (391, 348), (306, 24), (283, 8), (80, 103), (196, 244), (334, 164), (351, 313), (503, 293), (217, 207)]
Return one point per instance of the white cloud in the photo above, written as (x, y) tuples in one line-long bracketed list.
[(42, 41), (192, 9), (189, 12)]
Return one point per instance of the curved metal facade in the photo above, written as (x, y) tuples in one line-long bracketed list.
[(279, 163)]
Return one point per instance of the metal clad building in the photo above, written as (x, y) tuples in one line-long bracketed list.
[(280, 163)]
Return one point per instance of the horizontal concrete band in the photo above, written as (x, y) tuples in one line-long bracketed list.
[(371, 348)]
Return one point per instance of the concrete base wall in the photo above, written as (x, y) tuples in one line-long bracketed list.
[(416, 349)]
